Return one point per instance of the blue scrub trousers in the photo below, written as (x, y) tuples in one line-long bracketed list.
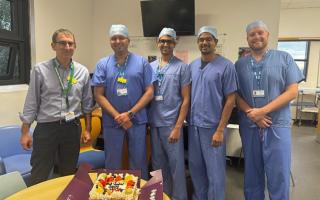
[(113, 146), (206, 164), (170, 159), (266, 153)]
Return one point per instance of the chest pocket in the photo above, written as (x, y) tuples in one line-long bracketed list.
[(172, 79), (212, 78), (275, 75), (77, 86)]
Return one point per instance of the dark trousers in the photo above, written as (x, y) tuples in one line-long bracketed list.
[(55, 140)]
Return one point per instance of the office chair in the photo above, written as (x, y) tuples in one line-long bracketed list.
[(12, 156), (89, 154), (11, 183)]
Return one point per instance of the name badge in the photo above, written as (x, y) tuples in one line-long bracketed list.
[(258, 93), (69, 116), (158, 98), (122, 92)]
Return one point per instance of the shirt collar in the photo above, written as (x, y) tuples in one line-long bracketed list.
[(56, 62)]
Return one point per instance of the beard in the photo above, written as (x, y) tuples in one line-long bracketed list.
[(258, 47), (206, 50), (166, 51), (120, 49)]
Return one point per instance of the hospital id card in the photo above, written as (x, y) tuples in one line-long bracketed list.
[(258, 93), (158, 98), (69, 116), (122, 91)]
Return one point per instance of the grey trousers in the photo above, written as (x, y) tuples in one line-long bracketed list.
[(55, 140)]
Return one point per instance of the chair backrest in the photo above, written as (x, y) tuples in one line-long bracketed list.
[(95, 129), (11, 183), (10, 141)]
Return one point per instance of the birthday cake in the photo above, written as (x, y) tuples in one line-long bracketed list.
[(118, 186)]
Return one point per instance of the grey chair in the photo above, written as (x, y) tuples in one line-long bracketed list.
[(12, 156), (11, 183)]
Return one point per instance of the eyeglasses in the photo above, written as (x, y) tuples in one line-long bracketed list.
[(166, 41), (65, 43)]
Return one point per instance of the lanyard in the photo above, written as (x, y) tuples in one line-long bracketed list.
[(257, 69), (257, 72), (65, 91), (161, 71), (121, 71)]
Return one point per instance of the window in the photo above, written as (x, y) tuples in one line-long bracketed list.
[(299, 50), (14, 42)]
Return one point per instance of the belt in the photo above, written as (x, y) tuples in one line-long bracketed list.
[(62, 121)]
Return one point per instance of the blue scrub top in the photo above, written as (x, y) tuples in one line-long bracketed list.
[(279, 70), (139, 75), (176, 75), (210, 86)]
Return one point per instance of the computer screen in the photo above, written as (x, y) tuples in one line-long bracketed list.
[(176, 14)]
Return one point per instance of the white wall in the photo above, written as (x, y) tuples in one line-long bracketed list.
[(313, 76), (91, 19), (49, 16), (75, 15), (299, 22), (12, 101), (229, 17)]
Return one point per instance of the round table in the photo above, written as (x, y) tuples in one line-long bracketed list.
[(51, 189)]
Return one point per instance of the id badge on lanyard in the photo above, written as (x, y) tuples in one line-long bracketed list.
[(159, 96), (122, 85), (160, 77), (258, 93), (70, 116), (122, 81), (257, 72), (122, 91)]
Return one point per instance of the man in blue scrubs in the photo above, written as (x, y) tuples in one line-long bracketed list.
[(268, 81), (123, 87), (214, 84), (167, 113)]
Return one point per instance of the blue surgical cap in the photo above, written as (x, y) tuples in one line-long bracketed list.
[(256, 24), (169, 32), (208, 29), (118, 29)]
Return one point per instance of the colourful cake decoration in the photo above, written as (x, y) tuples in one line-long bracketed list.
[(118, 186)]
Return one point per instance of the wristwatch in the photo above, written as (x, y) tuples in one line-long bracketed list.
[(131, 114)]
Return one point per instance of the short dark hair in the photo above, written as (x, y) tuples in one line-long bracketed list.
[(63, 31)]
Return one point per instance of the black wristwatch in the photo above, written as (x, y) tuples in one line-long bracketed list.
[(131, 114)]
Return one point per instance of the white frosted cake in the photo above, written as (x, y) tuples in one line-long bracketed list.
[(120, 186)]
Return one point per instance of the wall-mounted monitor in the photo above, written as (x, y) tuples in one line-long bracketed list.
[(176, 14)]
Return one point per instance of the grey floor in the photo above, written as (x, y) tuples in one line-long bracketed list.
[(305, 168)]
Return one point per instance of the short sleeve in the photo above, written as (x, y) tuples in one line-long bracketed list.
[(230, 84), (293, 73), (149, 74), (185, 75), (100, 73)]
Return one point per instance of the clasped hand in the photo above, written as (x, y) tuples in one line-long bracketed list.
[(123, 120), (258, 116)]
